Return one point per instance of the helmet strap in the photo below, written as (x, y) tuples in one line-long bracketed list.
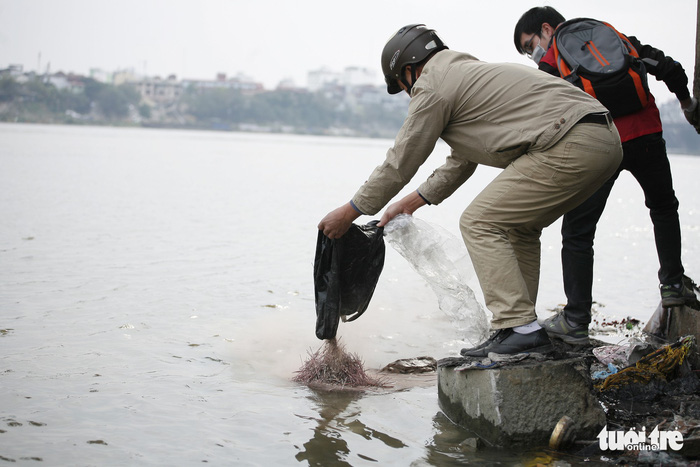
[(405, 82)]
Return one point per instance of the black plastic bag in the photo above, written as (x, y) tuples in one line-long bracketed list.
[(346, 271)]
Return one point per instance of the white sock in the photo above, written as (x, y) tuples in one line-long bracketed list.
[(528, 328)]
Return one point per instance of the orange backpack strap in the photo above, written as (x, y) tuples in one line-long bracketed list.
[(564, 69), (639, 87), (587, 86), (634, 75), (628, 43)]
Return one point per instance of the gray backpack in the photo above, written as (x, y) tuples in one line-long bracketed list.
[(597, 58)]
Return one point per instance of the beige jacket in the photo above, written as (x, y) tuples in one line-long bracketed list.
[(487, 113)]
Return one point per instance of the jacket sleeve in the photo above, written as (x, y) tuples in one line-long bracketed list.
[(664, 68), (447, 178), (428, 114), (547, 68)]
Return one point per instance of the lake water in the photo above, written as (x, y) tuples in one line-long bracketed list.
[(156, 299)]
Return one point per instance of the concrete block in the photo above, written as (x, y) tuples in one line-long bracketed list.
[(520, 403)]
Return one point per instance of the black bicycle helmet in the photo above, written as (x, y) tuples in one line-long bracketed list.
[(409, 45)]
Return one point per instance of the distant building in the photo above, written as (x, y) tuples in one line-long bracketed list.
[(358, 76), (127, 76), (102, 76), (158, 91), (71, 82), (288, 84), (240, 82), (350, 77), (355, 88), (322, 78), (13, 71)]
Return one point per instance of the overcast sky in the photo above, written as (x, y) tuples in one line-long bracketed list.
[(270, 40)]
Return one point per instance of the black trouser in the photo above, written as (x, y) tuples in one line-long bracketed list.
[(645, 157)]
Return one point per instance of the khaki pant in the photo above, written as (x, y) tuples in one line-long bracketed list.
[(503, 224)]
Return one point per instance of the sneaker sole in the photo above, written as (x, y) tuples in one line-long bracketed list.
[(569, 339), (540, 349)]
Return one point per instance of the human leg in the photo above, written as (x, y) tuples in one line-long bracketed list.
[(651, 167), (526, 246), (578, 232), (649, 164), (528, 195)]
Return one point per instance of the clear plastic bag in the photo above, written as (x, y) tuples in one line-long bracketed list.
[(443, 261)]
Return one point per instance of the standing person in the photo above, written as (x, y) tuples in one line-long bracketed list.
[(554, 156), (645, 157)]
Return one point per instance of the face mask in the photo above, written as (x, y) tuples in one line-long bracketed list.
[(537, 54)]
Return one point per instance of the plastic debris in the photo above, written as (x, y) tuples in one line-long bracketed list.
[(494, 360), (411, 365), (661, 364), (612, 369), (615, 354), (443, 261)]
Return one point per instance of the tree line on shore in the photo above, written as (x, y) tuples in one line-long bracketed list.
[(293, 111), (35, 100)]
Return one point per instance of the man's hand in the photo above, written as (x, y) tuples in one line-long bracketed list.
[(338, 221), (692, 112), (407, 205)]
